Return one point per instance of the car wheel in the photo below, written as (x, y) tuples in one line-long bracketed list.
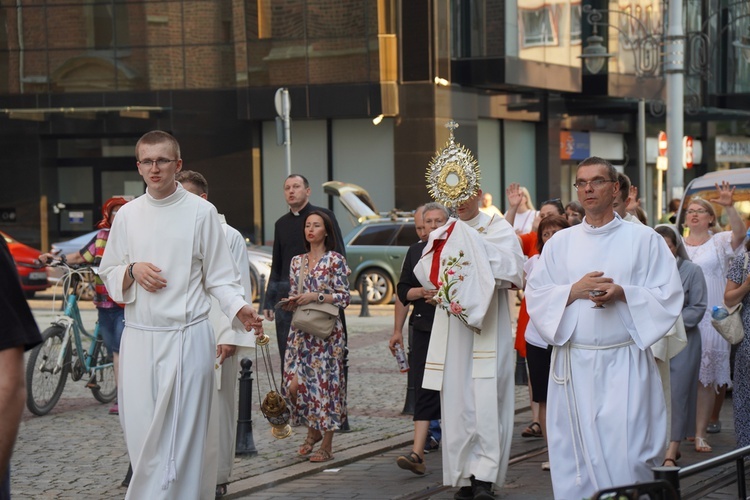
[(379, 286)]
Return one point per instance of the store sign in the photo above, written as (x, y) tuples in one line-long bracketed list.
[(574, 145), (662, 143), (75, 217), (732, 149), (687, 152)]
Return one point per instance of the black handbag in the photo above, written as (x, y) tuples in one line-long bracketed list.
[(316, 319)]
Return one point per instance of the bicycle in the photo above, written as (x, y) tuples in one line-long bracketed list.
[(62, 353)]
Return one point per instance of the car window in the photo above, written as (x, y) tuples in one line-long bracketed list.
[(407, 236), (380, 234)]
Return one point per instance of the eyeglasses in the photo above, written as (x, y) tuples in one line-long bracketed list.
[(160, 162), (700, 211), (596, 183), (555, 202)]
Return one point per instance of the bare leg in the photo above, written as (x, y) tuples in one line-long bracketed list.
[(534, 406), (706, 398), (327, 443), (672, 450), (543, 418), (421, 427), (718, 403)]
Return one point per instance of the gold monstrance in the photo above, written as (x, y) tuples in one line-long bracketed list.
[(453, 174)]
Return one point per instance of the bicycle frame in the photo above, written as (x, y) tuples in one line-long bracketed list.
[(73, 324)]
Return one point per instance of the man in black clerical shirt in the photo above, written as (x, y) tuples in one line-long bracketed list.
[(288, 241)]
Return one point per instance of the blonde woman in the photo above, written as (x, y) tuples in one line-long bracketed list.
[(711, 248), (525, 213)]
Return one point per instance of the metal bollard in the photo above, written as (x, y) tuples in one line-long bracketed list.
[(345, 423), (671, 475), (365, 311), (411, 392), (245, 444), (521, 375)]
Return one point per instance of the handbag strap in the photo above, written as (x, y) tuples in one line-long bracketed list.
[(301, 276)]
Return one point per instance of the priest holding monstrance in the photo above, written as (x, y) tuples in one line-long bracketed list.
[(471, 262)]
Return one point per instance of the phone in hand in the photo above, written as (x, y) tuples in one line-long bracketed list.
[(280, 304)]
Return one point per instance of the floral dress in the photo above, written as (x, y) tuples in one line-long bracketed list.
[(741, 391), (713, 257), (317, 364)]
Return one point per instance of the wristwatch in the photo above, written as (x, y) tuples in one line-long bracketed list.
[(321, 298)]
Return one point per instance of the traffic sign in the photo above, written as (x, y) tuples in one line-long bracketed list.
[(687, 152), (662, 143)]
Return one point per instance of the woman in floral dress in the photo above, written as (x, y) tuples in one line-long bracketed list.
[(711, 248), (738, 288), (314, 386)]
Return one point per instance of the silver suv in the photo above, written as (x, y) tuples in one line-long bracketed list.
[(376, 247)]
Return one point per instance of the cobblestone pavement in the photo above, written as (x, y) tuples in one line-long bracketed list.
[(77, 450)]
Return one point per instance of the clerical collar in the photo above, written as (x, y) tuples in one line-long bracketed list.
[(178, 194), (479, 219), (616, 221), (297, 214)]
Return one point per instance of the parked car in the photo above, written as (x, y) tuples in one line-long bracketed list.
[(32, 273), (705, 187), (376, 247), (260, 267), (259, 257)]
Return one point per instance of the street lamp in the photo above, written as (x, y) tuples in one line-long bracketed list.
[(594, 55)]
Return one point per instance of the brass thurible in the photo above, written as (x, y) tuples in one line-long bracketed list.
[(273, 406)]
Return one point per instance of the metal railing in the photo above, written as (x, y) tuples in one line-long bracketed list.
[(666, 484)]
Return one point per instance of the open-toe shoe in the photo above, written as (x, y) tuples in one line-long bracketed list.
[(308, 445), (321, 455), (701, 445)]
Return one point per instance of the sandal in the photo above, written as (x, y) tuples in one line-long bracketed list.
[(534, 430), (221, 490), (308, 445), (701, 445), (411, 462), (672, 460), (321, 455)]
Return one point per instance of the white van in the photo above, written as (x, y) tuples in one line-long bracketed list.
[(705, 187)]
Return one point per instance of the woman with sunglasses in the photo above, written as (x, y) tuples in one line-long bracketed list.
[(711, 248)]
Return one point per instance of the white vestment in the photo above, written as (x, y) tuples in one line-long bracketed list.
[(168, 349), (230, 333), (606, 418), (470, 358)]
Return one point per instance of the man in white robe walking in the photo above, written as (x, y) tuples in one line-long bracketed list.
[(165, 255), (227, 341), (472, 262), (606, 417)]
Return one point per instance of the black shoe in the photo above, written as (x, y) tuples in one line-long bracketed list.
[(464, 493), (483, 490), (126, 482), (221, 490)]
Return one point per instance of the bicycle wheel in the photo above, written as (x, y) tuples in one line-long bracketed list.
[(106, 385), (44, 380)]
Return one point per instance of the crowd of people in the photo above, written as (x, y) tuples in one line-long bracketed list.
[(610, 304), (599, 292)]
